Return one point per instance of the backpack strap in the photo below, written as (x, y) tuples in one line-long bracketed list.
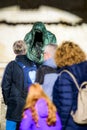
[(48, 69), (29, 73), (72, 76), (83, 84), (23, 91), (80, 101), (42, 71), (74, 79)]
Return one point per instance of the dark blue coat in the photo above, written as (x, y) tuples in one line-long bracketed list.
[(13, 87), (65, 95)]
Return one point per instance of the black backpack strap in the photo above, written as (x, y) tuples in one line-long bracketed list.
[(42, 71), (23, 92)]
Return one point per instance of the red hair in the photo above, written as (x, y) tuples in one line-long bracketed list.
[(35, 93)]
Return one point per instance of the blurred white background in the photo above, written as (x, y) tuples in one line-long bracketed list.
[(10, 33), (15, 23)]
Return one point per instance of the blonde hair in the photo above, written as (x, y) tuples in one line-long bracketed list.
[(69, 53), (19, 47), (35, 93)]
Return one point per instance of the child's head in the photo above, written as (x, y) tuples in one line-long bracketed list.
[(36, 92), (19, 47)]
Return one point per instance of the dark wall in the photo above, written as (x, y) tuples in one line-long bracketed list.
[(6, 3), (65, 4), (78, 7)]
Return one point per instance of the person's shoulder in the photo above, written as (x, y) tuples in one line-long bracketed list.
[(11, 63), (27, 112), (43, 68)]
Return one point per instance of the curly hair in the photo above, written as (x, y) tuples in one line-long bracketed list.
[(69, 53), (35, 93)]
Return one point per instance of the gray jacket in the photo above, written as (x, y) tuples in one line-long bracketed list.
[(47, 75)]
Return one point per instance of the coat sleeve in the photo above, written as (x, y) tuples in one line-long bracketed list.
[(7, 82), (26, 122), (63, 97)]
